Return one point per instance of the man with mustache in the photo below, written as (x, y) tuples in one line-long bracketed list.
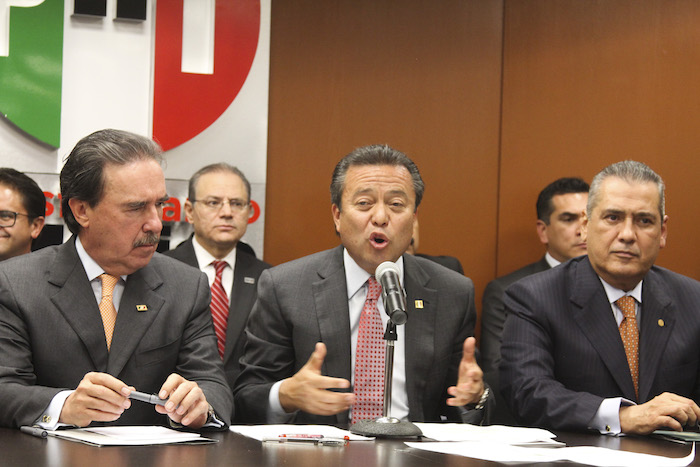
[(218, 207), (608, 341), (85, 323), (315, 352)]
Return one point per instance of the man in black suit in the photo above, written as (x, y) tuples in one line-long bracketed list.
[(218, 207), (560, 212), (608, 341), (304, 349)]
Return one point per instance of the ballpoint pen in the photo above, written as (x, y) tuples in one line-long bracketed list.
[(34, 431)]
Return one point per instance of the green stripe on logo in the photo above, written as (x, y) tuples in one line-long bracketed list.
[(30, 77)]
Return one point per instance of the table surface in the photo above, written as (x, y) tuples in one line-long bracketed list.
[(19, 449)]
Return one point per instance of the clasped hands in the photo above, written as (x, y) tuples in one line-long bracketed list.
[(101, 397), (308, 390)]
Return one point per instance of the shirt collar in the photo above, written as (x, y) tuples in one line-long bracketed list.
[(355, 276), (204, 258), (553, 262), (614, 293), (92, 269)]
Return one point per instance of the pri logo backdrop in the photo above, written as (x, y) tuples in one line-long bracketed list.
[(193, 74)]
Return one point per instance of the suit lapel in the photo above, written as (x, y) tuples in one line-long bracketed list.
[(331, 303), (140, 305), (75, 299), (241, 302), (593, 315), (420, 333), (656, 328)]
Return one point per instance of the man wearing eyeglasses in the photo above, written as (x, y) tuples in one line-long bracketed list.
[(218, 207), (22, 209)]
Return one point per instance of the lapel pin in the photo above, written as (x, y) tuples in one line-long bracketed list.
[(249, 280), (141, 308), (419, 304), (661, 323)]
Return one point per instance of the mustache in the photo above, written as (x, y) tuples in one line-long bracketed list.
[(148, 239)]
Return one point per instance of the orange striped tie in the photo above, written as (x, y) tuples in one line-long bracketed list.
[(107, 310), (630, 337)]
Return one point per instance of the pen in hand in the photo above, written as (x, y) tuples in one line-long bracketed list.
[(149, 398)]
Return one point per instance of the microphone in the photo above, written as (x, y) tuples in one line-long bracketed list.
[(393, 295)]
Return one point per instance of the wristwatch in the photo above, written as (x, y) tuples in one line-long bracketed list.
[(482, 400)]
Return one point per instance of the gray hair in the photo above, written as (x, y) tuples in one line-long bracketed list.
[(377, 154), (211, 168), (629, 171), (82, 176)]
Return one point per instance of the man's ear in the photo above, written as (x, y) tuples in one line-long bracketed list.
[(36, 226), (189, 208), (584, 226), (79, 208), (541, 228)]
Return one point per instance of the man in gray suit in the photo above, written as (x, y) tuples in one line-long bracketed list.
[(301, 358), (607, 342), (560, 212), (218, 207), (85, 323)]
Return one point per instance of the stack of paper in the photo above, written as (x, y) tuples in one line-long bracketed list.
[(129, 436)]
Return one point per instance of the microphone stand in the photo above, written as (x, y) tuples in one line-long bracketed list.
[(387, 426)]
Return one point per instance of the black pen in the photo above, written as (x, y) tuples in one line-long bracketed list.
[(34, 431), (149, 398)]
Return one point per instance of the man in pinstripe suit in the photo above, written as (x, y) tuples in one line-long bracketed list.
[(564, 364)]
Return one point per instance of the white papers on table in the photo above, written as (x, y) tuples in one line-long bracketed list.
[(501, 452), (129, 436), (261, 432), (513, 435)]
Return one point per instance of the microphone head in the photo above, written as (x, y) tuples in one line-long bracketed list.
[(385, 267)]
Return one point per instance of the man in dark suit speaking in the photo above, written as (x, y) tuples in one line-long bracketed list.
[(608, 341), (218, 207), (317, 319), (85, 323)]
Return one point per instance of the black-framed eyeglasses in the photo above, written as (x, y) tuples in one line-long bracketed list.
[(214, 204), (8, 218)]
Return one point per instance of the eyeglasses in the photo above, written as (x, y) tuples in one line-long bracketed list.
[(236, 205), (8, 218)]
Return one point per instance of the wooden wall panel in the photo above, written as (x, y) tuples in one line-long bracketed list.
[(420, 75), (589, 83)]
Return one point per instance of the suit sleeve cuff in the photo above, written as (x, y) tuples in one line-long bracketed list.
[(607, 419), (275, 412)]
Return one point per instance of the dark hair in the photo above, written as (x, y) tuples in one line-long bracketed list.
[(33, 198), (630, 171), (220, 167), (82, 176), (561, 186), (377, 154)]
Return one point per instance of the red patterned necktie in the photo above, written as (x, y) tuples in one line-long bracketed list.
[(630, 337), (219, 306), (369, 359), (107, 310)]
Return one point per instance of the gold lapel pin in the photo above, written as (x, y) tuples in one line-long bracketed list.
[(141, 308), (661, 323), (419, 304)]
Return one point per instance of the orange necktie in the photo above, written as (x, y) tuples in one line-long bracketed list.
[(107, 310), (630, 337)]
